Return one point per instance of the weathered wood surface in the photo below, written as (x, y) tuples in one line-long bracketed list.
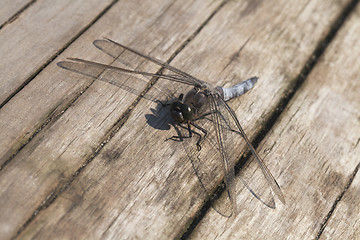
[(49, 93), (344, 222), (63, 183), (10, 8), (28, 43), (37, 35), (342, 69), (318, 135)]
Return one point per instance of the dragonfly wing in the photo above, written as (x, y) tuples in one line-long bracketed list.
[(266, 172), (224, 147), (142, 71), (112, 75), (117, 50), (205, 161), (254, 175)]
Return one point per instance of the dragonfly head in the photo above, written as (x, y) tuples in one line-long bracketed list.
[(180, 111)]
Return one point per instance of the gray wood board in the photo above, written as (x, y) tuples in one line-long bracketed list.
[(93, 172)]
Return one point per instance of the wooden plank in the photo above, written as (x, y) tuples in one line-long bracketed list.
[(8, 8), (342, 66), (28, 43), (139, 185), (37, 35), (52, 157), (317, 139)]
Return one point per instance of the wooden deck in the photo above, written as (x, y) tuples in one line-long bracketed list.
[(78, 159)]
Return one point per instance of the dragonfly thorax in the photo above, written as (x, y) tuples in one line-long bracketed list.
[(198, 100), (194, 104)]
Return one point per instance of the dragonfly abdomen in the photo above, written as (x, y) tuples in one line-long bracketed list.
[(238, 89)]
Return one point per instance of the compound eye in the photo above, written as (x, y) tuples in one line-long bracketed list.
[(177, 115)]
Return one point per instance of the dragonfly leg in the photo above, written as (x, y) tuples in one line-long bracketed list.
[(198, 143), (201, 139)]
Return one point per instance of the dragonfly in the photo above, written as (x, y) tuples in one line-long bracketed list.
[(203, 111)]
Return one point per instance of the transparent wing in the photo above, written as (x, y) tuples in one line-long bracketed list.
[(206, 162), (222, 129), (140, 70), (229, 134), (115, 50), (223, 143), (120, 77), (269, 177)]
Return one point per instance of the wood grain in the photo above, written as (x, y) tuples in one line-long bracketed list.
[(48, 167), (318, 138), (344, 221), (343, 68), (9, 8), (37, 35), (93, 172), (27, 44)]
